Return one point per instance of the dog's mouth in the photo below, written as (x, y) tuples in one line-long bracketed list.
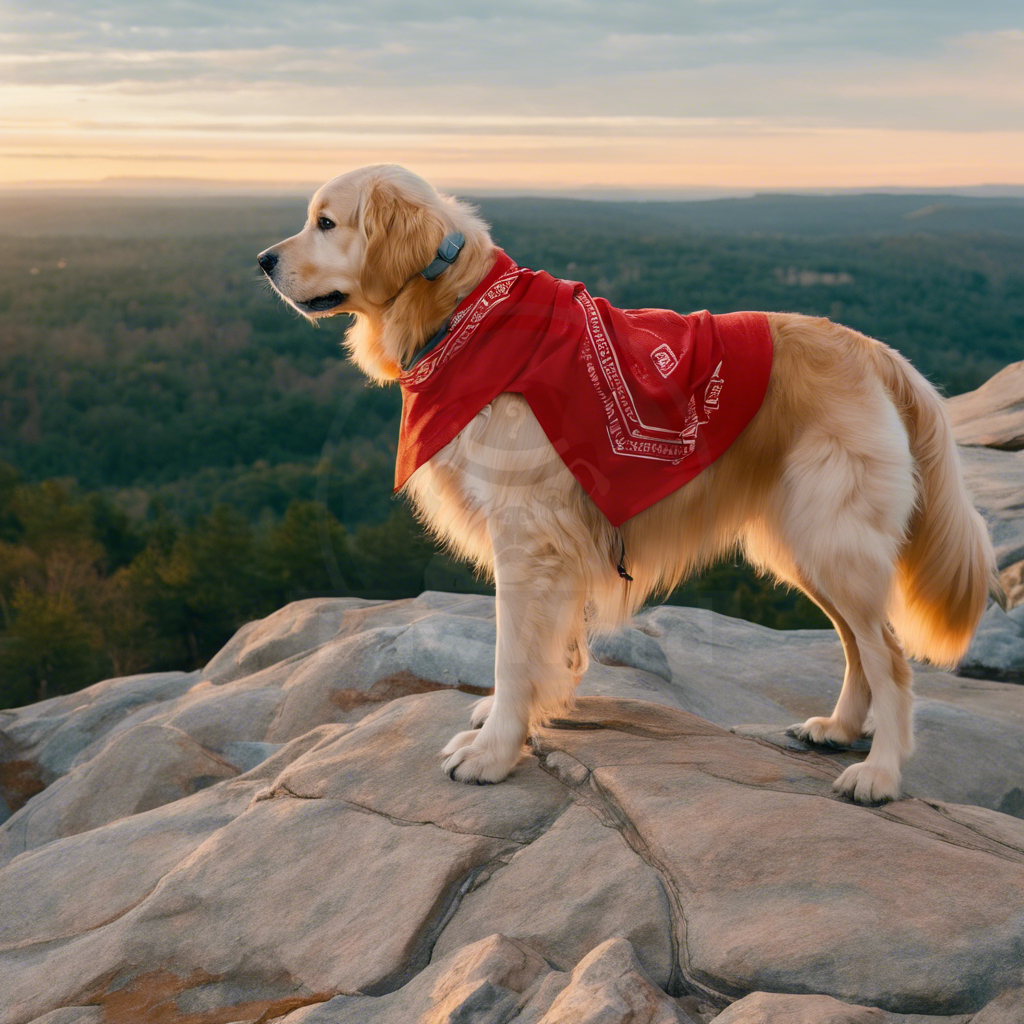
[(323, 302)]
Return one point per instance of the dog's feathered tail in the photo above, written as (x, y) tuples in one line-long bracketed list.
[(947, 568)]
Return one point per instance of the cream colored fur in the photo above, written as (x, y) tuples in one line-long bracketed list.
[(846, 484)]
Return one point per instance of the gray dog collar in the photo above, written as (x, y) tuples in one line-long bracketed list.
[(447, 253)]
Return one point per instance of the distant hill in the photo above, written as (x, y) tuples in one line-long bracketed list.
[(42, 214), (774, 214), (88, 215)]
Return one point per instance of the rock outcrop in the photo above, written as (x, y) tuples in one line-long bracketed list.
[(273, 838), (992, 416), (996, 480), (989, 426)]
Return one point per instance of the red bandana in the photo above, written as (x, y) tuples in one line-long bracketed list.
[(636, 402)]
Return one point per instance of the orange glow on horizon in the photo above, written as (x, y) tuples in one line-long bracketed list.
[(781, 158)]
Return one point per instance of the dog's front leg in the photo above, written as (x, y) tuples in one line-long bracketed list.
[(539, 610)]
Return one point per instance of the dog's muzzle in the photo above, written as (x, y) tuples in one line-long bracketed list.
[(318, 304)]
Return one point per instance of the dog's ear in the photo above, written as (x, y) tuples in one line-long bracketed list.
[(402, 235)]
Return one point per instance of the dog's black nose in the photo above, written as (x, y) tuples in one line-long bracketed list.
[(267, 261)]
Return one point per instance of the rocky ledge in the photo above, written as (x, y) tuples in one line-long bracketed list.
[(989, 426), (273, 839)]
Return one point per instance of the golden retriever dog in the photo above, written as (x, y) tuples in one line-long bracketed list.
[(846, 484)]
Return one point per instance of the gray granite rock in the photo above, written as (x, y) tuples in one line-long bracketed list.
[(298, 629), (275, 836), (779, 1008), (997, 650), (785, 1008), (1006, 1008), (989, 426), (344, 875), (996, 482), (499, 981), (145, 767), (731, 672), (730, 840), (609, 986), (616, 893), (72, 1015), (993, 415), (485, 983), (56, 731), (245, 755), (632, 648), (97, 877), (970, 733)]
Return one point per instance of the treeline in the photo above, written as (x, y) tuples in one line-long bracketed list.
[(86, 592)]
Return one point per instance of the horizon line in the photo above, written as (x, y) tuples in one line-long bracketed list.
[(157, 187)]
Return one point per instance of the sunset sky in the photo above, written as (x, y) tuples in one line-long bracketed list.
[(655, 97)]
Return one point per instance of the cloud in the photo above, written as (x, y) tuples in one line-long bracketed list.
[(416, 75), (546, 42)]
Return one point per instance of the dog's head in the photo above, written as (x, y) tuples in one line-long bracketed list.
[(367, 234), (367, 237)]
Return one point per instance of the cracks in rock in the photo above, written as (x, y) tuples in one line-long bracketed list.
[(396, 820), (578, 773), (824, 774), (983, 845), (826, 761), (592, 725), (447, 907), (591, 795), (282, 788), (215, 757), (480, 875), (819, 755), (702, 767), (945, 814), (61, 940), (435, 923), (685, 978)]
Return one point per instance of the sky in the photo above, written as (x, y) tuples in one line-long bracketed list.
[(546, 96)]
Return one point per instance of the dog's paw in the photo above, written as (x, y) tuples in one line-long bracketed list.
[(822, 731), (479, 712), (868, 783), (469, 760)]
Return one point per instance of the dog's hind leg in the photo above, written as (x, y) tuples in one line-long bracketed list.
[(877, 778), (846, 723), (845, 504), (539, 658), (877, 676)]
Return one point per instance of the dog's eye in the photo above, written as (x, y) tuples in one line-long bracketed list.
[(324, 223)]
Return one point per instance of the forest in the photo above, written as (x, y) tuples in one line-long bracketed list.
[(180, 453)]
